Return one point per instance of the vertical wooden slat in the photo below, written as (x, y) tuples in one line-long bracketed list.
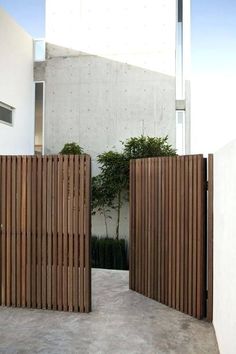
[(8, 234), (76, 237), (166, 229), (33, 233), (49, 232), (138, 224), (142, 239), (3, 226), (155, 231), (141, 236), (28, 233), (178, 203), (186, 233), (13, 234), (39, 231), (54, 231), (159, 245), (65, 233), (146, 238), (170, 232), (87, 211), (44, 233), (151, 226), (190, 244), (18, 233), (131, 224), (60, 235), (210, 238), (162, 246), (23, 225), (194, 252), (148, 232), (70, 232), (200, 236), (138, 213), (81, 233), (182, 254), (173, 301)]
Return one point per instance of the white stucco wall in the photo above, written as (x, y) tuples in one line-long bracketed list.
[(16, 87), (140, 33), (224, 316)]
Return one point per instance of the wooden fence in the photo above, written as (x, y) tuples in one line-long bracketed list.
[(168, 231), (45, 232)]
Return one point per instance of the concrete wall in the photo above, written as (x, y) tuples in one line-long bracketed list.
[(140, 33), (16, 87), (224, 316), (99, 102), (121, 83)]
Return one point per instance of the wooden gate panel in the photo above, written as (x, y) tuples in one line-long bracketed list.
[(45, 232), (167, 231), (210, 239)]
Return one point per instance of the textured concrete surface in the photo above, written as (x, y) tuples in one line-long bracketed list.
[(122, 322), (98, 103)]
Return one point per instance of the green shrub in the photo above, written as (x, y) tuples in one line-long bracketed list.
[(71, 149), (147, 146), (109, 253), (111, 186)]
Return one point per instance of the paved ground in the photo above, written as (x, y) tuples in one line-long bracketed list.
[(122, 322)]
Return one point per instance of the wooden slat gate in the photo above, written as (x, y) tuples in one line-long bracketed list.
[(45, 232), (168, 224)]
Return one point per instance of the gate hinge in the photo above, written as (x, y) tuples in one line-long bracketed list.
[(207, 185)]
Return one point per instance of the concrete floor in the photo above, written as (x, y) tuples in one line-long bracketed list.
[(122, 322)]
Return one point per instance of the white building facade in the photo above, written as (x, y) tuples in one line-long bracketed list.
[(16, 89)]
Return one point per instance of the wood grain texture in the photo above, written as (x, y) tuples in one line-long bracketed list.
[(45, 222), (210, 237), (167, 223)]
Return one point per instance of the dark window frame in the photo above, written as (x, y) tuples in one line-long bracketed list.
[(10, 109), (180, 10)]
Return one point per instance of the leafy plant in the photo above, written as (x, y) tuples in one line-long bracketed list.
[(71, 149), (113, 182), (146, 146), (114, 167), (102, 199)]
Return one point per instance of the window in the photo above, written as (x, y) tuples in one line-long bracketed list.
[(180, 10), (179, 52), (39, 50), (180, 132), (5, 113), (39, 112)]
